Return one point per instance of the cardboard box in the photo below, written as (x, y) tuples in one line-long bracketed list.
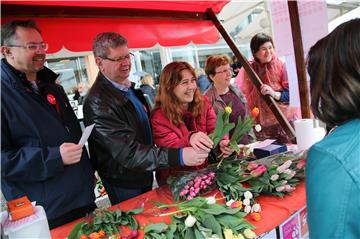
[(20, 208), (269, 150)]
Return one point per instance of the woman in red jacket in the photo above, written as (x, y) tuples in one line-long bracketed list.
[(182, 116)]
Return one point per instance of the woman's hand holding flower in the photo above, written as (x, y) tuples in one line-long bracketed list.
[(200, 141), (225, 149)]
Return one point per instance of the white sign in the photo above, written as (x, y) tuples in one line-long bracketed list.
[(86, 134)]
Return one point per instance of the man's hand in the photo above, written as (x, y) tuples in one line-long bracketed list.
[(200, 141), (193, 157), (70, 153), (225, 150)]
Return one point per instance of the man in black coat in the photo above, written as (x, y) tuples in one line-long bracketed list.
[(40, 157), (121, 145)]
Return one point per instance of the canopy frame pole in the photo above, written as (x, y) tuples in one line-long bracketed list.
[(253, 76), (299, 58)]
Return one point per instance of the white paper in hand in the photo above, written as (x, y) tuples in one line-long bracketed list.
[(86, 134)]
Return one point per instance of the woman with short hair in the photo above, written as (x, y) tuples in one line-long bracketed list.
[(222, 93)]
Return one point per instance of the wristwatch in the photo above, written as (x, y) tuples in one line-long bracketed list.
[(276, 95)]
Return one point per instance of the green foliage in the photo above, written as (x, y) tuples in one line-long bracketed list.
[(211, 219), (222, 127), (229, 177), (242, 128), (104, 219)]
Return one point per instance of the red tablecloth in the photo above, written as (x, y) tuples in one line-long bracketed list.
[(275, 210)]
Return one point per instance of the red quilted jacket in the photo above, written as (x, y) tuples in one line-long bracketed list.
[(166, 134)]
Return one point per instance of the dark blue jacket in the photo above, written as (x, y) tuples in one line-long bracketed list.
[(31, 132)]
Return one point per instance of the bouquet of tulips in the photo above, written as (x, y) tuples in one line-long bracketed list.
[(103, 223), (187, 185), (242, 128), (281, 175)]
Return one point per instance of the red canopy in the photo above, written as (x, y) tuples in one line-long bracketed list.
[(144, 23)]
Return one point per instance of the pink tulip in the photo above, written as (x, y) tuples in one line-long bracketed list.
[(301, 164), (258, 171), (280, 189), (252, 166)]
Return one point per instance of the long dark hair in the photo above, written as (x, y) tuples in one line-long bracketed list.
[(334, 69)]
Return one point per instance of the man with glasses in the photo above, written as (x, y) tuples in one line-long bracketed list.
[(40, 157), (121, 144)]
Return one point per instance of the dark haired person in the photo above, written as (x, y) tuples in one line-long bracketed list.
[(121, 144), (272, 72), (40, 157), (333, 164)]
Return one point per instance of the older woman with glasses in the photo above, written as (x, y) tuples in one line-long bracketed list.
[(222, 93)]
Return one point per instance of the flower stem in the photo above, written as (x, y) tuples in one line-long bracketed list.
[(171, 213), (219, 164)]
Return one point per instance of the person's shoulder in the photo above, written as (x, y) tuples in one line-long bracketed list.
[(157, 112), (158, 116), (343, 144), (210, 91)]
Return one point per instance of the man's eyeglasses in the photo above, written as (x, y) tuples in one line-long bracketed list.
[(33, 46), (120, 59), (225, 71)]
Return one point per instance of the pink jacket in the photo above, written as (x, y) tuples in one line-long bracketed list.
[(166, 134)]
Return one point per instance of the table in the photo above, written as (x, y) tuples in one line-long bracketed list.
[(275, 210)]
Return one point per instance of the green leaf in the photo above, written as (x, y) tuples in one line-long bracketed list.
[(135, 211), (242, 128), (98, 220), (125, 221), (172, 229), (157, 227), (76, 231), (117, 213), (217, 209), (196, 202), (189, 233), (209, 221), (233, 145), (219, 125), (198, 234), (133, 223)]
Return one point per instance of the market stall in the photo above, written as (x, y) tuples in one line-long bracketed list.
[(274, 210), (169, 23)]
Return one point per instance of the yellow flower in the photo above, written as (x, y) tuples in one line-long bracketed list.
[(228, 109), (228, 234), (238, 236), (249, 234)]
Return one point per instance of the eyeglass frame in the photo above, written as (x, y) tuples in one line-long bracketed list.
[(43, 46), (224, 71), (120, 59)]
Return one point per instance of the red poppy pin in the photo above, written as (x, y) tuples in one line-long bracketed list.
[(51, 99)]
